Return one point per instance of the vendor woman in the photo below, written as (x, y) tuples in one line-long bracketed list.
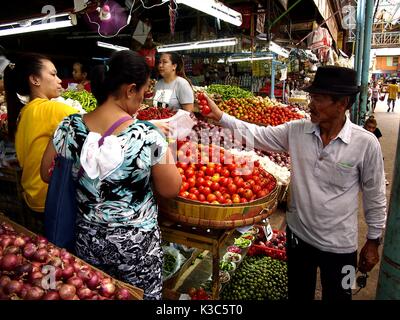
[(173, 90)]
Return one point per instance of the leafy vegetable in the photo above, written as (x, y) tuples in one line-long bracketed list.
[(85, 98)]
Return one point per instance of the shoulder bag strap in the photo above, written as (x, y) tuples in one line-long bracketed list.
[(114, 126)]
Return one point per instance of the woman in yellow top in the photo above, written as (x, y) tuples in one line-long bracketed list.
[(33, 125)]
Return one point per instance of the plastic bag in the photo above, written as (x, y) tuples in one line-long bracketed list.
[(173, 261), (180, 124)]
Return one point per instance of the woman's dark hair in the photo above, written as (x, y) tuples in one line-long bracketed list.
[(16, 80), (180, 68), (124, 67)]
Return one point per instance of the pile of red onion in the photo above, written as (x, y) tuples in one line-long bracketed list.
[(34, 269)]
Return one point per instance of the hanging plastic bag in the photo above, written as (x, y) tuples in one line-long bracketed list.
[(173, 261)]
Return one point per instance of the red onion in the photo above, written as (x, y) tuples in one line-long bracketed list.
[(24, 291), (12, 249), (29, 250), (85, 274), (4, 280), (9, 262), (54, 252), (24, 269), (85, 293), (34, 293), (3, 295), (99, 274), (41, 239), (36, 266), (67, 292), (6, 241), (77, 266), (67, 257), (55, 261), (123, 294), (75, 297), (35, 275), (27, 239), (107, 289), (59, 273), (13, 287), (95, 297), (41, 255), (19, 242), (93, 281), (76, 282), (51, 295), (68, 272)]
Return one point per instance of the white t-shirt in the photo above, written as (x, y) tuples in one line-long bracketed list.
[(173, 94)]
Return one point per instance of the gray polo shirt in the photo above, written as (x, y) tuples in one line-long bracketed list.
[(173, 94), (325, 182)]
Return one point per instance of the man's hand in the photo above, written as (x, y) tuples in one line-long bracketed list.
[(215, 113), (369, 257)]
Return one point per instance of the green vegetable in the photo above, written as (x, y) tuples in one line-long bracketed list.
[(258, 278), (169, 263), (85, 98), (227, 92)]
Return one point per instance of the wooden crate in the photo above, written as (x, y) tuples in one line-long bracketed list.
[(136, 293)]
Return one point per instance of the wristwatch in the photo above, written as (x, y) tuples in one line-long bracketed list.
[(377, 241)]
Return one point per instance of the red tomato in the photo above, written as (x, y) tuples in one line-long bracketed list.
[(215, 186), (191, 181), (199, 182), (192, 196), (232, 188), (205, 110), (209, 171), (206, 191), (211, 197), (201, 197)]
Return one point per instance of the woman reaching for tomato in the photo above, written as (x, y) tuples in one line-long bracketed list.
[(174, 90)]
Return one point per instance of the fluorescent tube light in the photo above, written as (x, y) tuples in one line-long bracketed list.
[(278, 50), (111, 46), (198, 45), (214, 8), (249, 59), (32, 25)]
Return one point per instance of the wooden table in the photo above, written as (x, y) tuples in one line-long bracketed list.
[(206, 239)]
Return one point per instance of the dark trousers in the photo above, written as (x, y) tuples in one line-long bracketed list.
[(303, 261)]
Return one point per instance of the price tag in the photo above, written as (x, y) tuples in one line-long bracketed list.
[(267, 230)]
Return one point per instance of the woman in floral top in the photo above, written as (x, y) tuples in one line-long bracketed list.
[(117, 228)]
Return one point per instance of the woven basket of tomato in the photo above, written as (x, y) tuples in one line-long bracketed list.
[(220, 194)]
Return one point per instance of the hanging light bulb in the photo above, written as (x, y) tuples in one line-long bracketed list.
[(104, 12)]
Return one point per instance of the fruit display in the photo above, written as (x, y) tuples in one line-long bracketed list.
[(154, 113), (257, 278), (227, 92), (31, 268), (281, 173), (259, 111), (222, 181)]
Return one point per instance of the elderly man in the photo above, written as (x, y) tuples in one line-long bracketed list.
[(332, 160)]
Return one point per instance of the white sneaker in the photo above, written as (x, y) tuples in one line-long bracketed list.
[(386, 182)]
